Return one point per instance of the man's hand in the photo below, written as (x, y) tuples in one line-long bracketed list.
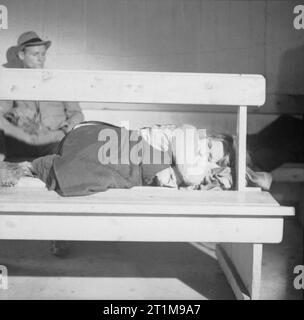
[(64, 125)]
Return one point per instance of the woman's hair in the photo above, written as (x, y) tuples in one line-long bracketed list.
[(228, 160)]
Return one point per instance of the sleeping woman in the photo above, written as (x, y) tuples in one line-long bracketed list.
[(96, 156)]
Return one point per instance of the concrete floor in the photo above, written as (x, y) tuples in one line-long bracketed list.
[(108, 270)]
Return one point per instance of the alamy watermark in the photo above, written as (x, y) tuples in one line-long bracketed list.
[(298, 21), (3, 278), (3, 17), (298, 281), (122, 146)]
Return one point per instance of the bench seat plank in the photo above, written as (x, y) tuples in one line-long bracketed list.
[(143, 201), (290, 172)]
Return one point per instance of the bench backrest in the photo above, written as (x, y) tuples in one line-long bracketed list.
[(142, 87)]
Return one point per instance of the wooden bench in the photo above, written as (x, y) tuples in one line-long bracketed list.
[(290, 176), (239, 221)]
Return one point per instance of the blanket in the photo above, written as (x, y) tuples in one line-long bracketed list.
[(96, 156)]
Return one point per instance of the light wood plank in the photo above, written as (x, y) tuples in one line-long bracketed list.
[(242, 261), (235, 281), (144, 201), (132, 87), (140, 228), (289, 173), (247, 258), (135, 208), (241, 148)]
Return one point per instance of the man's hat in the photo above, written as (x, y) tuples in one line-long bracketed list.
[(30, 38)]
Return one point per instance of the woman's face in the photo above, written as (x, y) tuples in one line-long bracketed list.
[(213, 147)]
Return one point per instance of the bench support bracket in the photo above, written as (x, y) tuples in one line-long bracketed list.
[(242, 264)]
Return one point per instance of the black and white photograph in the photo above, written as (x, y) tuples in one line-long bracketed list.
[(151, 153)]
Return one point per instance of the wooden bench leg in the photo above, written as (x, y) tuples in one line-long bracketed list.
[(242, 264)]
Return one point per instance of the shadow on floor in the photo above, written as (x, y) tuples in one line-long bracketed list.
[(181, 261), (279, 261)]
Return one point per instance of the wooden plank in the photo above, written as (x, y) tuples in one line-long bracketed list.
[(232, 275), (142, 208), (144, 201), (241, 148), (247, 258), (132, 87), (26, 186), (289, 173), (243, 261), (282, 103), (140, 228)]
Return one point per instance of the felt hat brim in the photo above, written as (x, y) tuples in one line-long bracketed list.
[(47, 44)]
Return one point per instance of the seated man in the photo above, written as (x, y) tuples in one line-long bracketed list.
[(30, 129)]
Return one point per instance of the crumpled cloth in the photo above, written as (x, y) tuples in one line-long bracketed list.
[(222, 178)]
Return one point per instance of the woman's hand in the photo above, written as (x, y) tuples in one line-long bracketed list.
[(167, 178)]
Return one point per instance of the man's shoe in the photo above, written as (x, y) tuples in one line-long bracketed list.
[(60, 248)]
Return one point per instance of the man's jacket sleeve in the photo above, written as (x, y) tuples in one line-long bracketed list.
[(5, 106)]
